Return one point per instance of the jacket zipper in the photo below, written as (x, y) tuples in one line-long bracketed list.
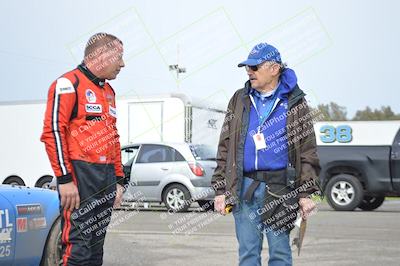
[(272, 110)]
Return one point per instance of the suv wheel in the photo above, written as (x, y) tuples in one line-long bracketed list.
[(344, 192), (176, 198)]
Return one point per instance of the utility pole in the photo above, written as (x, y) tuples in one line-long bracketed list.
[(176, 67)]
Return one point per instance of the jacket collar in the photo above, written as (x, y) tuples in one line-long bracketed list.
[(293, 97), (245, 95), (85, 70), (296, 95), (247, 88)]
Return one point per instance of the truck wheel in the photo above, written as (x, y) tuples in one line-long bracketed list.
[(175, 198), (371, 203), (344, 192), (52, 250), (207, 205)]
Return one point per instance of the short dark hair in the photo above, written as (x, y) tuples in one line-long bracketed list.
[(100, 40)]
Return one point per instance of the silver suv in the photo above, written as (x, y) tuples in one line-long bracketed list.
[(176, 174)]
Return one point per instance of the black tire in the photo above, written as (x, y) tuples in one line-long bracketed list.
[(207, 205), (14, 180), (371, 203), (176, 197), (344, 192), (52, 250), (44, 182)]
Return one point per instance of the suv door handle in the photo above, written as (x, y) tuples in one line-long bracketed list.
[(164, 168), (395, 155)]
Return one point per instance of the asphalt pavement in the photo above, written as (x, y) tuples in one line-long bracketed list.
[(154, 237)]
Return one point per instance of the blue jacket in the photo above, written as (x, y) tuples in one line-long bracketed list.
[(275, 156)]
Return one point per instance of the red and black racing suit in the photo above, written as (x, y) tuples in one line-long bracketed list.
[(83, 146)]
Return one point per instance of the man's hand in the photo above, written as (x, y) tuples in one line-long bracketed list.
[(219, 204), (118, 197), (306, 207), (69, 196)]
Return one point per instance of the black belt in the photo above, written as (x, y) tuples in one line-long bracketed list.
[(258, 177)]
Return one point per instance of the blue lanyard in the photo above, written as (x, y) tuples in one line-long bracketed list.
[(272, 106)]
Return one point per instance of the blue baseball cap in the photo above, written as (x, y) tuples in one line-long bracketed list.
[(260, 53)]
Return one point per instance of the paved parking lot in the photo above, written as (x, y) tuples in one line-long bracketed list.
[(155, 237)]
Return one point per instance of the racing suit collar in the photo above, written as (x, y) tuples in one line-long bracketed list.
[(84, 69)]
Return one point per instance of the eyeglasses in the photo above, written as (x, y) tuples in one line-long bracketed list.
[(253, 68), (257, 67)]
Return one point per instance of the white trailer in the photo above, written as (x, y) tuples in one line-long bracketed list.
[(23, 159), (169, 118)]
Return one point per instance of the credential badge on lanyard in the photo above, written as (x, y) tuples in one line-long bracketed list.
[(258, 138)]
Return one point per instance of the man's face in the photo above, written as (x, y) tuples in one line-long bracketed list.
[(112, 61), (266, 72)]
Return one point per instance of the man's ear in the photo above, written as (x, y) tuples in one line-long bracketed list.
[(276, 69)]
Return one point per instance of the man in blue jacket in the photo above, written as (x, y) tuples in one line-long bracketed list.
[(267, 163)]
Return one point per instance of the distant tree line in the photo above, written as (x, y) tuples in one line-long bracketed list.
[(335, 112)]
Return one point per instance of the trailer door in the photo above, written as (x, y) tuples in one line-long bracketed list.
[(145, 121), (395, 162), (206, 126)]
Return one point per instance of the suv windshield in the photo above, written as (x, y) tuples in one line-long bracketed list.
[(203, 152)]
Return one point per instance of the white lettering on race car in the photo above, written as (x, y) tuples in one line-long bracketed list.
[(6, 227), (5, 219), (5, 235), (5, 251)]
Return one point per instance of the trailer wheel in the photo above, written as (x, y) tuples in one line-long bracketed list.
[(52, 254), (14, 180), (344, 192), (371, 203), (44, 182)]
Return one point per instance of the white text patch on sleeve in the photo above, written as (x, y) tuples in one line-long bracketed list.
[(64, 85)]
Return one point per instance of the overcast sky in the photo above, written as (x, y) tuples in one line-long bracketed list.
[(342, 51)]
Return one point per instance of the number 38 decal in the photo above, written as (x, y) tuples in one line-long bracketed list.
[(340, 134)]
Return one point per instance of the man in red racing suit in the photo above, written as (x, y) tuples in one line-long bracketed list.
[(83, 146)]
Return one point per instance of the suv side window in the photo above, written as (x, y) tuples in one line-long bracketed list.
[(151, 153)]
